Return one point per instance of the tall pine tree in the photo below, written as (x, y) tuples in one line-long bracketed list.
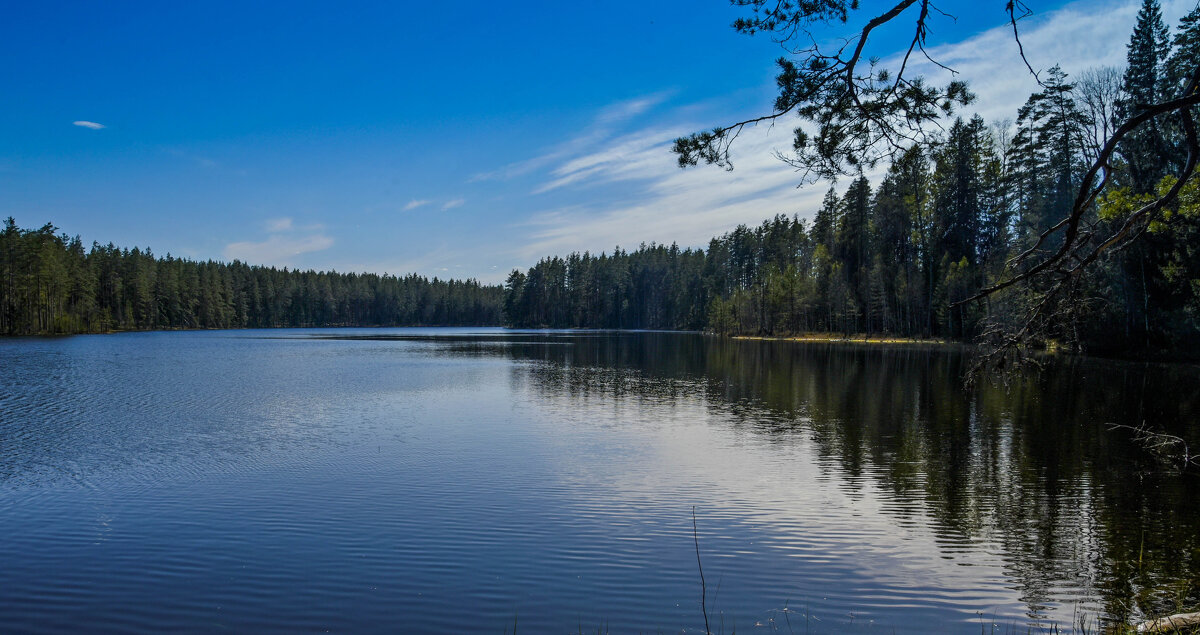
[(1146, 82)]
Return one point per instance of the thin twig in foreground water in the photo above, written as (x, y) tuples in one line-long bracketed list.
[(703, 587)]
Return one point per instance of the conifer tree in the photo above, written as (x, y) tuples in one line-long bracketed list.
[(853, 244), (1146, 82), (1185, 57), (1048, 151), (1185, 53), (957, 190)]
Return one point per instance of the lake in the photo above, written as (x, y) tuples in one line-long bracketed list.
[(484, 480)]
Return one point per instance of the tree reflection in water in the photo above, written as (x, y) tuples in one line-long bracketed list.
[(1081, 512)]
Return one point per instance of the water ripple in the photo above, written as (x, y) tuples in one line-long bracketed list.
[(448, 481)]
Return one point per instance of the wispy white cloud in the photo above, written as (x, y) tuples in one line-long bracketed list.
[(451, 204), (91, 125), (433, 261), (610, 161), (279, 225), (623, 111), (285, 241), (1081, 35), (642, 195), (202, 161), (518, 168), (277, 249), (415, 203), (665, 204), (601, 128)]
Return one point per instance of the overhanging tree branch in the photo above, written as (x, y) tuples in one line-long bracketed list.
[(861, 116), (1087, 195), (852, 117)]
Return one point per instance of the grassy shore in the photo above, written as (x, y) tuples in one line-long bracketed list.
[(844, 339)]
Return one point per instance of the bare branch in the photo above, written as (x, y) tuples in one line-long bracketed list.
[(1167, 446), (1012, 7)]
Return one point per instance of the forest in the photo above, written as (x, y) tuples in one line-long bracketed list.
[(897, 256), (51, 284)]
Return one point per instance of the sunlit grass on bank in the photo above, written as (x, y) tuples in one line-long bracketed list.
[(837, 338)]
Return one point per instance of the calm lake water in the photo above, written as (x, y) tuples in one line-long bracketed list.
[(455, 480)]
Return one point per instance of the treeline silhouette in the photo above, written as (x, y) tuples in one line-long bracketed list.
[(889, 258), (941, 223), (49, 283)]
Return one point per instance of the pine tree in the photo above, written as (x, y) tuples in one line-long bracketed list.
[(1048, 155), (825, 221), (1181, 65), (853, 244), (1185, 54), (957, 190), (1146, 82), (853, 226), (995, 201)]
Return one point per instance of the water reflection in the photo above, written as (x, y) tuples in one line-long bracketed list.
[(1078, 512), (384, 480)]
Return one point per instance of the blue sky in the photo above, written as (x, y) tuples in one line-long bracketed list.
[(460, 140)]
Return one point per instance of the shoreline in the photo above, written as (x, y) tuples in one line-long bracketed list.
[(832, 338)]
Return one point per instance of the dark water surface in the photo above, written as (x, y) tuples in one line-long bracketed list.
[(443, 480)]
